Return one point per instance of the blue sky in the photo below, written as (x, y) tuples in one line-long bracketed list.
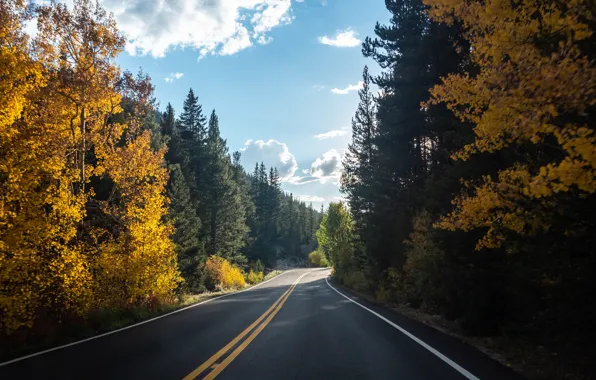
[(281, 74)]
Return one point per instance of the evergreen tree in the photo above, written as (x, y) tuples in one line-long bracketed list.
[(312, 223), (182, 213), (192, 118), (273, 203), (168, 121), (399, 162), (359, 163), (242, 182), (176, 153), (193, 135), (292, 234), (223, 211)]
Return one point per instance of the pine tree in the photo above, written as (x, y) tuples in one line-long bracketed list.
[(263, 196), (241, 180), (176, 153), (292, 234), (312, 223), (182, 213), (399, 162), (192, 118), (224, 217), (273, 203), (359, 163)]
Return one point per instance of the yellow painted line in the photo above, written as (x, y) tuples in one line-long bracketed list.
[(207, 364), (228, 346), (252, 336)]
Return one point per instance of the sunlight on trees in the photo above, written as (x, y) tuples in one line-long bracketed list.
[(535, 85)]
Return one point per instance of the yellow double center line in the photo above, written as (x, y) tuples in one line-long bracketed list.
[(267, 316)]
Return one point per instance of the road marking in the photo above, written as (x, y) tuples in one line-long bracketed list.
[(444, 358), (276, 307), (137, 324), (233, 342)]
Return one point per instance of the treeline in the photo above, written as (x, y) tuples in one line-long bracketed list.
[(217, 208), (107, 203), (471, 175)]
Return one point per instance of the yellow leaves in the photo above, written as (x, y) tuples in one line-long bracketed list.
[(141, 266), (55, 103), (21, 75), (222, 274), (532, 75), (498, 206), (254, 277)]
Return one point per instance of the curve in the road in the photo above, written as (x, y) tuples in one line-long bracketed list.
[(269, 314)]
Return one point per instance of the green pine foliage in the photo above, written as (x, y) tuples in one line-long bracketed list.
[(224, 215), (183, 215), (219, 209)]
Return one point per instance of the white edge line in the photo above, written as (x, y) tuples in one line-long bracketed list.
[(138, 324), (444, 358)]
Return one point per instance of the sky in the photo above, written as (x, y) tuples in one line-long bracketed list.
[(282, 75)]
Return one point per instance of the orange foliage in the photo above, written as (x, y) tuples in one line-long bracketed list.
[(222, 274), (534, 86), (56, 103)]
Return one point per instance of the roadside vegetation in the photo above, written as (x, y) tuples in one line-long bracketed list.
[(113, 210), (318, 259), (221, 276), (471, 177)]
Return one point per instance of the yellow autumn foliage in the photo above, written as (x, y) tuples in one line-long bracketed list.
[(21, 74), (57, 99), (534, 86), (141, 266), (42, 266), (254, 277), (222, 274)]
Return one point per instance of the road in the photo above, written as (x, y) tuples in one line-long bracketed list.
[(296, 326)]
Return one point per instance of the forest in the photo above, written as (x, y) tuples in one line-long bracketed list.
[(469, 182), (107, 202), (471, 174)]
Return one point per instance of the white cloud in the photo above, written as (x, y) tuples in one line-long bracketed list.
[(327, 168), (347, 90), (273, 154), (173, 76), (305, 171), (239, 41), (224, 27), (334, 133), (309, 198), (318, 87), (297, 180), (343, 38), (264, 40)]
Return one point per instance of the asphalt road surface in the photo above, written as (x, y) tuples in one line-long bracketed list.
[(296, 326)]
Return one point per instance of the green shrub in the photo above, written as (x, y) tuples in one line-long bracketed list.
[(355, 280), (258, 266), (318, 259), (254, 277), (390, 287)]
